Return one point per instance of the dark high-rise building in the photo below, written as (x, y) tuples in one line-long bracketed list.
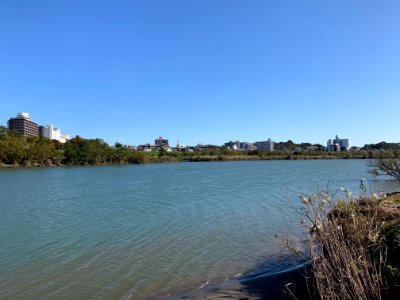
[(23, 124)]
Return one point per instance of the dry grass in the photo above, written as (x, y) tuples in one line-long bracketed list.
[(349, 245)]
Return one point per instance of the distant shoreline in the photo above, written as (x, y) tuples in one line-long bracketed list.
[(23, 151), (195, 158)]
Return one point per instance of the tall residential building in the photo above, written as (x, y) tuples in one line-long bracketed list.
[(344, 143), (265, 145), (338, 144), (22, 123)]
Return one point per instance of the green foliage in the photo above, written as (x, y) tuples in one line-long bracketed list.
[(392, 271), (21, 150), (16, 149), (42, 151), (3, 131), (13, 149), (383, 146), (76, 151), (137, 158), (80, 151), (253, 152), (161, 153), (391, 234)]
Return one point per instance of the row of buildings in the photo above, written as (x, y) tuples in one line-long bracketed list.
[(335, 144), (159, 144), (162, 143), (23, 124), (267, 145)]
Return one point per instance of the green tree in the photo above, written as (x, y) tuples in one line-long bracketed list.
[(120, 154), (76, 151), (13, 149), (40, 150), (3, 131), (289, 145), (161, 153), (97, 151)]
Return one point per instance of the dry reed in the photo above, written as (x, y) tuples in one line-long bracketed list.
[(347, 245)]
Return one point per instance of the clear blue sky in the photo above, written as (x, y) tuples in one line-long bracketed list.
[(204, 71)]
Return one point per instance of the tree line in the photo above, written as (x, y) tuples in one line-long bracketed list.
[(16, 149)]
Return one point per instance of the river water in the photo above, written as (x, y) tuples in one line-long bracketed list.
[(156, 230)]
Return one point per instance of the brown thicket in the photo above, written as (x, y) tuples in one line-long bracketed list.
[(354, 245)]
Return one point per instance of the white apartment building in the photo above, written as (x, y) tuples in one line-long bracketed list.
[(55, 134)]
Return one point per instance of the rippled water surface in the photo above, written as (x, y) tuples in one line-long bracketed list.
[(148, 231)]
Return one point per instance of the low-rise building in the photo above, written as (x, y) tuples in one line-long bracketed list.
[(183, 148), (354, 148), (44, 131), (161, 143), (131, 148), (241, 146), (203, 147), (233, 145), (312, 148), (146, 147), (53, 133), (247, 146), (265, 145)]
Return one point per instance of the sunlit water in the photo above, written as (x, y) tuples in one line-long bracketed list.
[(149, 231)]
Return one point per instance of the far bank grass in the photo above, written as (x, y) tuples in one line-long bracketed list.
[(229, 155), (142, 157)]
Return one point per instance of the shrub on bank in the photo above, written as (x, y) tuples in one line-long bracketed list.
[(354, 245)]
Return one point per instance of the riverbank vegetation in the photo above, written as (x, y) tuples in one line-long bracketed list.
[(385, 163), (354, 245), (17, 150)]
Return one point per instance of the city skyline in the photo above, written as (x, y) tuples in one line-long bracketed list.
[(204, 72), (24, 125), (51, 131)]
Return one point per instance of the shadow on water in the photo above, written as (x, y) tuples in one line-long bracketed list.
[(293, 281)]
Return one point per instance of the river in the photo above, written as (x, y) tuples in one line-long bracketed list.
[(156, 230)]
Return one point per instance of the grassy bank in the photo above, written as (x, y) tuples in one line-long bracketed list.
[(65, 156), (140, 158), (355, 246)]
